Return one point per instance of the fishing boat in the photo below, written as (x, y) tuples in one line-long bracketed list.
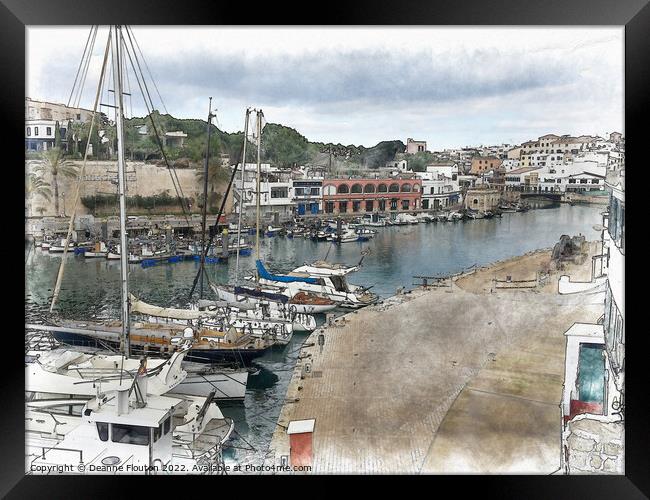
[(475, 214), (60, 246), (272, 231), (403, 218), (373, 220), (454, 216), (99, 251), (349, 236)]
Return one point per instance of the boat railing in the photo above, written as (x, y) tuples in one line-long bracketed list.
[(45, 449)]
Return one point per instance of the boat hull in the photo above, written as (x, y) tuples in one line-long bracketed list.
[(197, 355)]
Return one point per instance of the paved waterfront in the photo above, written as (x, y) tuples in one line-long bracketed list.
[(441, 381)]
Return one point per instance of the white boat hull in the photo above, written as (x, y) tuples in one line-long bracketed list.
[(247, 301), (230, 385)]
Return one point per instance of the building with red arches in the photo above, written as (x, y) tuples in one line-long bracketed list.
[(361, 196)]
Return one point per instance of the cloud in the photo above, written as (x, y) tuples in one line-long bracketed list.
[(364, 86)]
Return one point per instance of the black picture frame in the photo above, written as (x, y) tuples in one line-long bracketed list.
[(633, 14)]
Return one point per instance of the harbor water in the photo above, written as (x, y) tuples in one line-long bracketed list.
[(91, 287)]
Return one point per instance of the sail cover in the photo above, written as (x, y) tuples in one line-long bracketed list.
[(252, 292), (167, 312), (281, 278)]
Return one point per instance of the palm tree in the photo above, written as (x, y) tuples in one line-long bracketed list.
[(216, 175), (36, 186), (53, 164), (78, 132)]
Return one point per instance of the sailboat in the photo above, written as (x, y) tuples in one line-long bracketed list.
[(263, 305), (138, 424), (147, 337)]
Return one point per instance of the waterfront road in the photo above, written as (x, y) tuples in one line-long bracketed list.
[(446, 380)]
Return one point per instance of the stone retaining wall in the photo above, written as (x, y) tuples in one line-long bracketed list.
[(594, 446)]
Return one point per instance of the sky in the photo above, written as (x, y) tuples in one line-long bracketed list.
[(449, 86)]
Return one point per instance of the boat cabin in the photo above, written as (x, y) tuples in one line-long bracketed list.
[(115, 436)]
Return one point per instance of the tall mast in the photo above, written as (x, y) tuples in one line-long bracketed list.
[(121, 183), (241, 194), (205, 199), (258, 191)]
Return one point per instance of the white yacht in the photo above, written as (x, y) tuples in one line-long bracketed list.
[(126, 432)]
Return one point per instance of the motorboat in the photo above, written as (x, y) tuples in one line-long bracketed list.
[(126, 431), (335, 288)]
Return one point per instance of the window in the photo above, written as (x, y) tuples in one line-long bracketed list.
[(130, 434), (594, 181), (406, 188), (369, 188), (29, 131), (315, 192), (299, 191), (279, 192), (425, 204), (356, 188), (102, 430), (382, 205), (405, 204), (343, 207), (78, 116), (369, 205), (356, 206), (329, 190), (35, 130), (382, 188), (343, 188), (393, 188), (583, 181), (157, 432), (393, 204), (572, 181), (329, 207), (48, 131), (168, 424)]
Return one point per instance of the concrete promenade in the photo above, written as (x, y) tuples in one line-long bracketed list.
[(440, 381)]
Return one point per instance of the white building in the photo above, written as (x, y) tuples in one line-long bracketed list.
[(275, 198), (440, 186), (40, 134), (593, 398), (307, 195)]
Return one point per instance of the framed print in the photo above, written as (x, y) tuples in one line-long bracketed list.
[(392, 243)]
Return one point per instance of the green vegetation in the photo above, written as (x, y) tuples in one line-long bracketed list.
[(418, 162), (108, 203), (281, 146)]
